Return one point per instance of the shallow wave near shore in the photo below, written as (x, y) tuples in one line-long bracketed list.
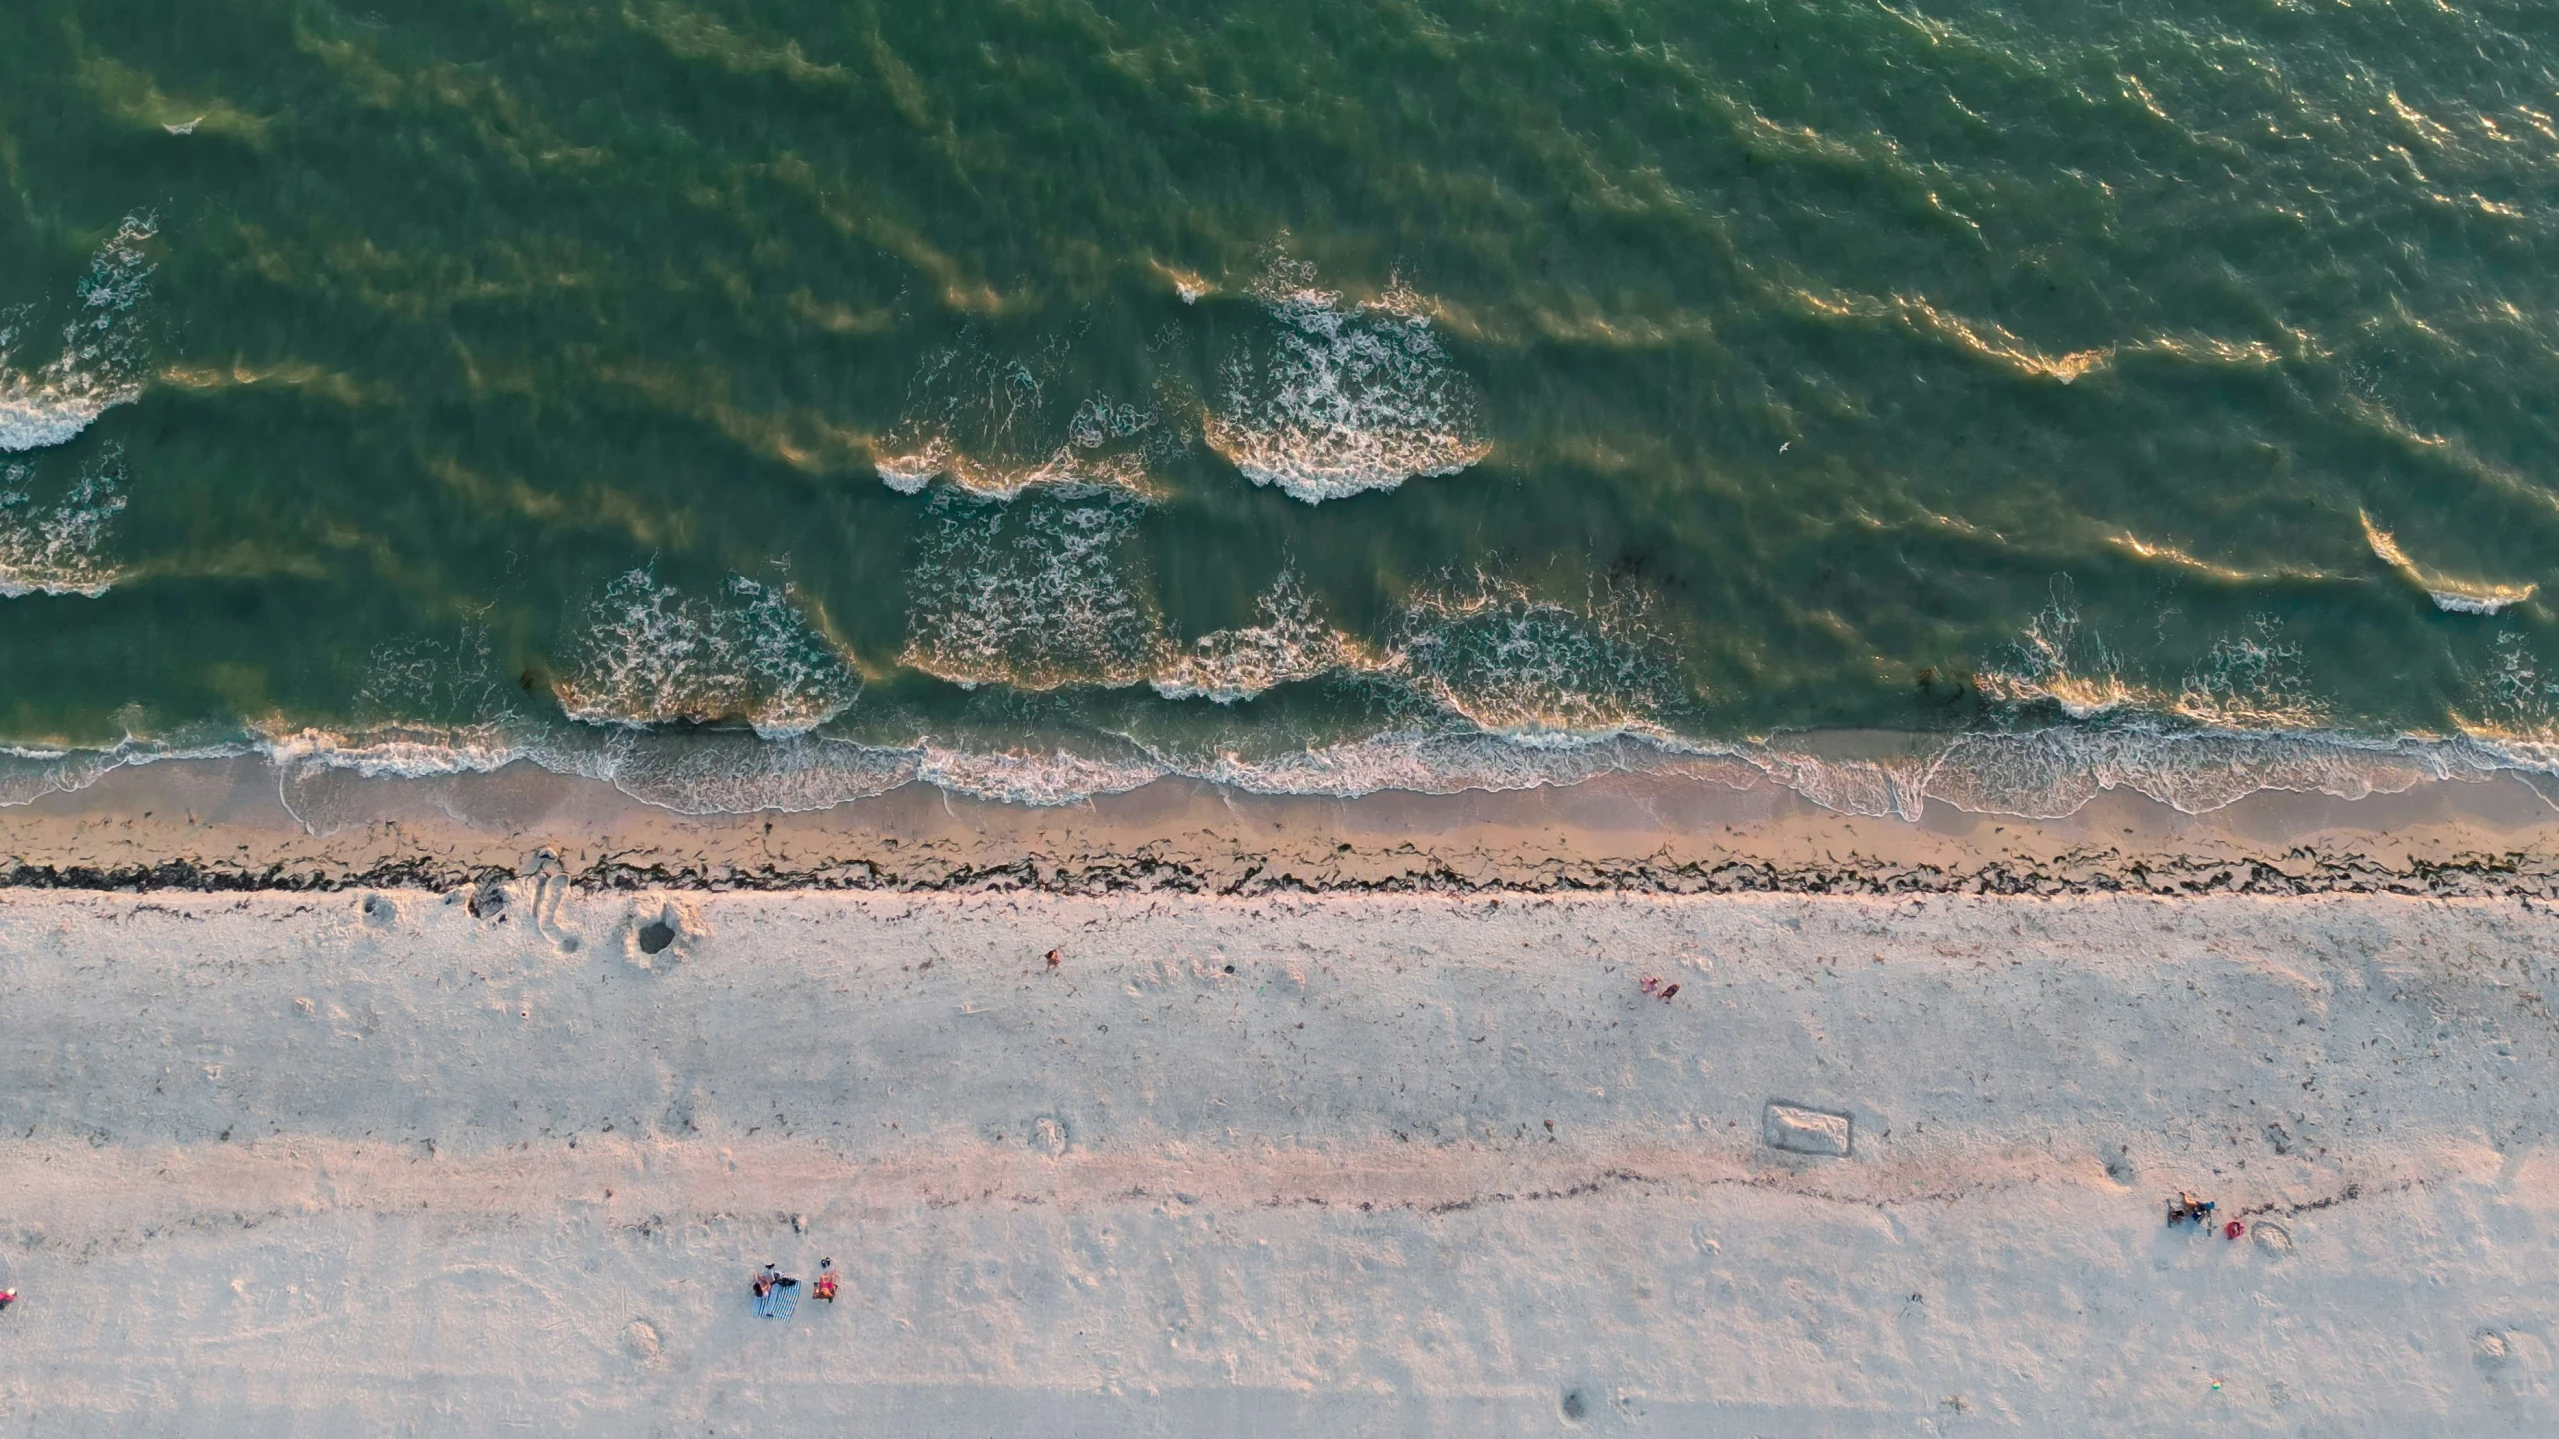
[(2036, 774)]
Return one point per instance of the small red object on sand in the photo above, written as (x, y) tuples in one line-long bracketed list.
[(8, 1297), (2233, 1229), (1052, 959), (1669, 992)]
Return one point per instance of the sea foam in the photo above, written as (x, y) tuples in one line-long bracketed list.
[(998, 425), (651, 654), (102, 362), (1334, 399), (1035, 594), (2043, 773), (1292, 643), (57, 547), (2452, 596), (1535, 670)]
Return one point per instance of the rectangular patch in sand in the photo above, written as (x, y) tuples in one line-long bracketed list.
[(1806, 1131)]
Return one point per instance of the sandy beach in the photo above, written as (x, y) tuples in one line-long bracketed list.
[(464, 1156)]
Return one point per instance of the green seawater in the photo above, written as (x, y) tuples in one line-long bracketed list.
[(1044, 395)]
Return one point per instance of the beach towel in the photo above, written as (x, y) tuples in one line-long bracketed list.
[(784, 1301)]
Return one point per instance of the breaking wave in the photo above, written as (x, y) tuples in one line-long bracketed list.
[(2060, 659), (103, 360), (1291, 644), (1035, 594), (718, 703), (2453, 596), (2043, 774), (1336, 399), (58, 548), (651, 654), (1042, 593), (1534, 670), (2251, 680), (998, 426)]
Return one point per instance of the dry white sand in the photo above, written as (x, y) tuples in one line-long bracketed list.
[(353, 1164)]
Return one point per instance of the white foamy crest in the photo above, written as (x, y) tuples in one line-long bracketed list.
[(2452, 596), (1034, 594), (1534, 671), (2058, 658), (1291, 643), (2252, 681), (654, 655), (1337, 400), (102, 363), (2518, 703), (999, 426), (426, 681), (58, 548)]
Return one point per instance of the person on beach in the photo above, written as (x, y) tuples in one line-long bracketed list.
[(8, 1297), (826, 1280)]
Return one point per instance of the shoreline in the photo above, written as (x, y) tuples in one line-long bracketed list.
[(247, 823)]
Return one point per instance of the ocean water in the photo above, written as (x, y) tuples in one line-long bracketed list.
[(765, 402)]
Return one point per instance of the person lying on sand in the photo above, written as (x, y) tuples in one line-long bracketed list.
[(825, 1280), (8, 1297), (767, 1285)]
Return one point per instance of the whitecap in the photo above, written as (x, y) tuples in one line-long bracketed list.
[(1533, 670), (2254, 680), (651, 654), (998, 425), (2061, 659), (102, 363), (1291, 643), (1034, 595), (2460, 602), (1337, 399), (2450, 595), (58, 548)]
